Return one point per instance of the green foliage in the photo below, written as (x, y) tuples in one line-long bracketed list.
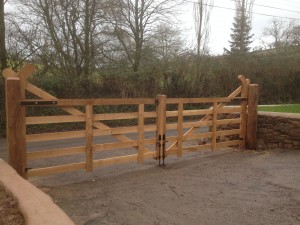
[(278, 77), (290, 108)]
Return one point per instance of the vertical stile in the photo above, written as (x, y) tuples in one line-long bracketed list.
[(161, 127), (214, 126), (141, 133), (89, 137), (16, 126), (179, 128), (243, 124)]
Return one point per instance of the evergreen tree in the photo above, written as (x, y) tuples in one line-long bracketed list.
[(241, 36)]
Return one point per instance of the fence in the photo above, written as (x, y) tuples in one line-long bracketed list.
[(180, 122)]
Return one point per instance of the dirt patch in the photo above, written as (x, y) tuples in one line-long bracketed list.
[(9, 211), (240, 187)]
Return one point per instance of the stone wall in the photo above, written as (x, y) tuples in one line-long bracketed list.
[(278, 130)]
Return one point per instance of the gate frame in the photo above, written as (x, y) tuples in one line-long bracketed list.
[(16, 84)]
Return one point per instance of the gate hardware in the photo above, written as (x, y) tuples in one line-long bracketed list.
[(162, 149), (38, 102)]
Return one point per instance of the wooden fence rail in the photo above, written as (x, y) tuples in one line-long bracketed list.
[(152, 140)]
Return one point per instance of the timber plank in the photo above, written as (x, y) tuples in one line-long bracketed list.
[(118, 145), (122, 116), (228, 121), (54, 136), (228, 132), (231, 109), (190, 149), (189, 112), (55, 153), (115, 116), (228, 143), (54, 119), (55, 169), (121, 159), (197, 100), (108, 101), (115, 160), (197, 136), (173, 126)]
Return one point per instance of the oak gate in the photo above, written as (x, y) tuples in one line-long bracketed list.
[(157, 127)]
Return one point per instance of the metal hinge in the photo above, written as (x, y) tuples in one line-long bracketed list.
[(38, 102)]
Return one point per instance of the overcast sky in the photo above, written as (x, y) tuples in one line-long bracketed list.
[(221, 19)]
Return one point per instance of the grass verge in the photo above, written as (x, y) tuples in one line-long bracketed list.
[(287, 108)]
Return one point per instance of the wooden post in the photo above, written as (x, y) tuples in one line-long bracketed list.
[(141, 133), (89, 137), (179, 128), (16, 126), (161, 127), (243, 124), (214, 126), (251, 135)]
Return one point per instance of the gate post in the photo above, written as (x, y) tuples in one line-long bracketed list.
[(16, 126), (89, 137), (251, 134), (243, 124), (161, 127)]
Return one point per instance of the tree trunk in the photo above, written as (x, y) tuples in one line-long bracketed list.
[(3, 56)]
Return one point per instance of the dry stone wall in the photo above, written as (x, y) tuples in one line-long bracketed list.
[(278, 130)]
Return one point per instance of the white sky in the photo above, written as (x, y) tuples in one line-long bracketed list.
[(221, 20)]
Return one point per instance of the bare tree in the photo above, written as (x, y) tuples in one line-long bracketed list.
[(202, 12), (132, 21), (62, 34), (3, 57), (296, 36), (281, 35), (166, 42)]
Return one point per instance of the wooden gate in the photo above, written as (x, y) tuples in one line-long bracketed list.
[(155, 127)]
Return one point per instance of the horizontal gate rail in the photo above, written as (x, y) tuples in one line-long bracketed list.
[(83, 102)]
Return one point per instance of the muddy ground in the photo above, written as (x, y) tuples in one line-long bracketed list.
[(232, 187), (9, 211)]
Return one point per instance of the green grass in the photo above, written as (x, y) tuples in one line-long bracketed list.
[(290, 108)]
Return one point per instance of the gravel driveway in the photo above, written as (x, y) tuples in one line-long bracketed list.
[(227, 186)]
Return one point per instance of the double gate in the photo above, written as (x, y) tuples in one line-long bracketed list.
[(153, 128)]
